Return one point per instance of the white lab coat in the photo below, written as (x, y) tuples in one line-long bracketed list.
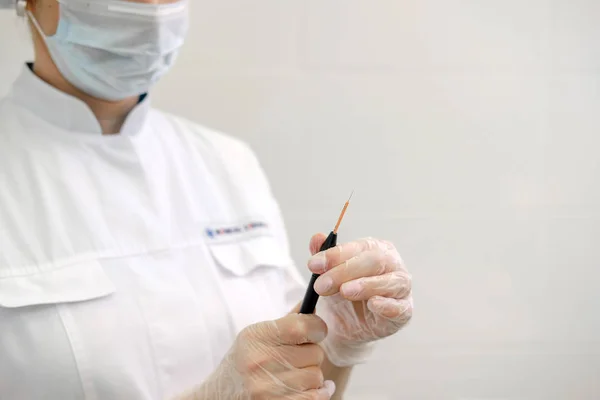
[(128, 263)]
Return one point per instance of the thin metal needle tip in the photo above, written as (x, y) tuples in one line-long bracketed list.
[(351, 194)]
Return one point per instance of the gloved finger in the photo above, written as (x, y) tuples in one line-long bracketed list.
[(396, 285), (397, 310), (316, 242), (326, 260), (295, 329), (297, 308), (284, 385), (302, 379), (303, 356), (366, 264), (324, 393), (283, 358)]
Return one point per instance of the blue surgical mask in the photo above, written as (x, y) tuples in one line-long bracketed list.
[(114, 49)]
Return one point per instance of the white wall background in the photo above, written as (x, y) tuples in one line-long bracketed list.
[(471, 132)]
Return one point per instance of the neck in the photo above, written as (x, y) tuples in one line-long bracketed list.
[(111, 115)]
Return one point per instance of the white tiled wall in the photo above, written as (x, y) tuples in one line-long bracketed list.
[(471, 132)]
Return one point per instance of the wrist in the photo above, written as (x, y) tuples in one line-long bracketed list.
[(346, 354), (347, 342), (339, 375)]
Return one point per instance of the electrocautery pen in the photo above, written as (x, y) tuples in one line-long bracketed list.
[(311, 297)]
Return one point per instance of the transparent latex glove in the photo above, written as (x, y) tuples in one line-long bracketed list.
[(366, 296), (272, 360)]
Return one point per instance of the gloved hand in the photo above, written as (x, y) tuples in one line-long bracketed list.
[(272, 360), (366, 296)]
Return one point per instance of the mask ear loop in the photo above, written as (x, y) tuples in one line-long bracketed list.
[(21, 8), (35, 23)]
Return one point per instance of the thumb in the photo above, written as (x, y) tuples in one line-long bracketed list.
[(297, 308), (316, 242)]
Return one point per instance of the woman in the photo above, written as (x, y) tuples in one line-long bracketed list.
[(143, 256)]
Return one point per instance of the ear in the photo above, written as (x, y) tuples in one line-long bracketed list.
[(46, 13)]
